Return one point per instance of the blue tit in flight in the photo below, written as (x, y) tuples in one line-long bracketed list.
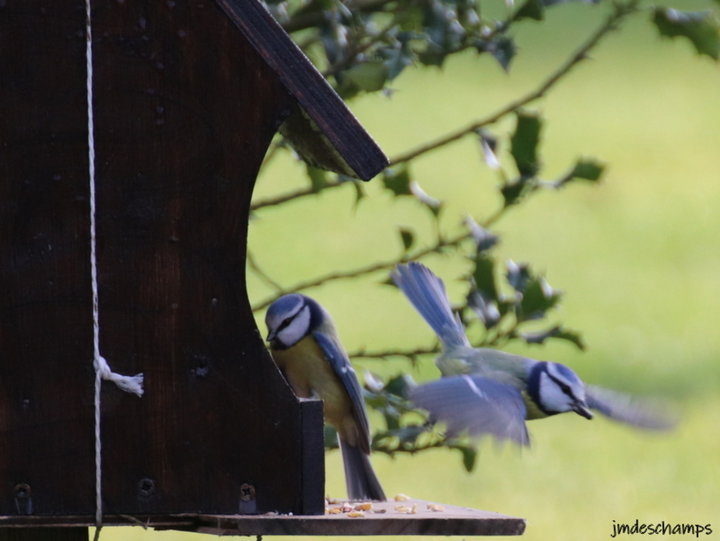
[(488, 392), (305, 346)]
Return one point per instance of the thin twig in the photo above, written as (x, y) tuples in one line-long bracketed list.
[(289, 196), (438, 441), (261, 273), (368, 269), (440, 244), (410, 353)]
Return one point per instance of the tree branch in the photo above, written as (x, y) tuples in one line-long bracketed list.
[(290, 196), (360, 271), (440, 244), (408, 353), (253, 265), (436, 441), (620, 11)]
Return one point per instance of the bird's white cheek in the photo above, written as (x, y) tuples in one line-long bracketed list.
[(297, 330), (551, 396)]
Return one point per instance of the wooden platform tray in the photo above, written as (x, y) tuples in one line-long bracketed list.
[(410, 517)]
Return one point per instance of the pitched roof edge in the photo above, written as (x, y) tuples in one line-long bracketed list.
[(317, 98)]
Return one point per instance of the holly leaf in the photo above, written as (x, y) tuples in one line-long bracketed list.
[(397, 180), (369, 76), (518, 275), (488, 143), (431, 203), (484, 276), (502, 49), (700, 27), (359, 193), (330, 437), (484, 238), (514, 191), (408, 435), (407, 237), (524, 143), (537, 298), (318, 178), (485, 309), (443, 33), (584, 169), (587, 170), (531, 9), (469, 456), (396, 59), (554, 332), (400, 385)]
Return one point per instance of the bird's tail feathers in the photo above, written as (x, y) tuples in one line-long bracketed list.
[(427, 294), (646, 413), (360, 478)]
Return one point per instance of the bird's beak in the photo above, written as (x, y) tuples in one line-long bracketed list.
[(270, 336), (581, 409)]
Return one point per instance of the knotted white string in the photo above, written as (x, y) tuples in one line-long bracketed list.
[(130, 384)]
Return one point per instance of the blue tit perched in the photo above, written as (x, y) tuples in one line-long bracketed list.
[(490, 392), (305, 346)]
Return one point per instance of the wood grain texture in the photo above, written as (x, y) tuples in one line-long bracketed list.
[(46, 375), (185, 112)]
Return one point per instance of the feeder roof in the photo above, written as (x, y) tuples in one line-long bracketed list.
[(322, 130)]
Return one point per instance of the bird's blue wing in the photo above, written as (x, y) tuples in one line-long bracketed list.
[(478, 405), (628, 409), (427, 293), (338, 360)]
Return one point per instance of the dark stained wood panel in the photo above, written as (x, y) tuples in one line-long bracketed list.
[(185, 109), (185, 112), (46, 373), (43, 534)]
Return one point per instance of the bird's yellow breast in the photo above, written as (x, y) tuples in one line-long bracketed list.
[(310, 374), (532, 411)]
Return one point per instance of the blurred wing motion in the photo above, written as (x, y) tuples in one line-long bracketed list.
[(628, 409), (477, 404), (427, 294), (362, 483)]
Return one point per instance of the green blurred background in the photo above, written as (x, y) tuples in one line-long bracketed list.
[(637, 256)]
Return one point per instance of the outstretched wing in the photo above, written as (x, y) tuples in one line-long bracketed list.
[(475, 404), (427, 294), (629, 409), (338, 360)]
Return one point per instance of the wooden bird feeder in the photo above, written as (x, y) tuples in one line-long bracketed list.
[(187, 96)]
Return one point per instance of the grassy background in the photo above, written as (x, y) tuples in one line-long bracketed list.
[(637, 256)]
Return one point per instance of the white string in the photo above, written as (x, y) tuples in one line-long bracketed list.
[(131, 384)]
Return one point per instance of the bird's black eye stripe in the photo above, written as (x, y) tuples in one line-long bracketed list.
[(564, 387), (285, 323)]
